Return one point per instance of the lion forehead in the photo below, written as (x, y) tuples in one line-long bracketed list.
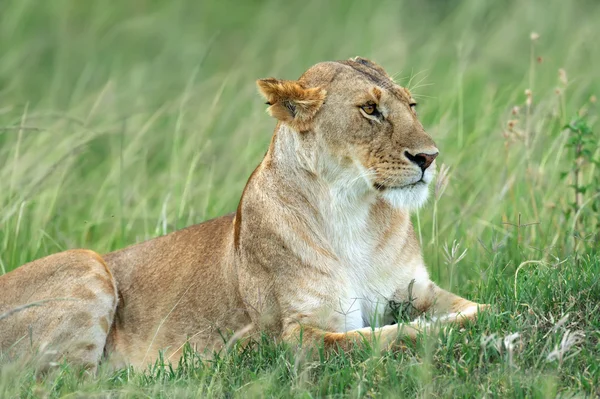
[(353, 77)]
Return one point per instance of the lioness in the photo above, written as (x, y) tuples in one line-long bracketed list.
[(320, 245)]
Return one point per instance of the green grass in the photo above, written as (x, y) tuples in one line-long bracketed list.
[(126, 121)]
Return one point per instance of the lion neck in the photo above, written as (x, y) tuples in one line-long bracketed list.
[(334, 203)]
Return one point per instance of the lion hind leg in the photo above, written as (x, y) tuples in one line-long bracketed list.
[(58, 307)]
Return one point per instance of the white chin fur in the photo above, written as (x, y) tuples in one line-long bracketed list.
[(412, 197)]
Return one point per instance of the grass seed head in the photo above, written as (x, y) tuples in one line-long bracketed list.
[(442, 181), (562, 76), (452, 255), (569, 340), (529, 96)]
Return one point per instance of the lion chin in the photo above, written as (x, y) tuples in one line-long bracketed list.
[(410, 197)]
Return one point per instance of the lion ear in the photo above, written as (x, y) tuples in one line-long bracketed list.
[(290, 102)]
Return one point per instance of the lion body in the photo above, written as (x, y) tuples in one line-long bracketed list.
[(320, 245)]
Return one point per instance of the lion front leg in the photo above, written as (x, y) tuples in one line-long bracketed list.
[(310, 337), (442, 305)]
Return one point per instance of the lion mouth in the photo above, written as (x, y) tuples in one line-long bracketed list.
[(382, 187)]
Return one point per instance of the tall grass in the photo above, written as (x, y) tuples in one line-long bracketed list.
[(126, 121)]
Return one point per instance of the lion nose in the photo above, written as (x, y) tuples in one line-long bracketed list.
[(421, 159)]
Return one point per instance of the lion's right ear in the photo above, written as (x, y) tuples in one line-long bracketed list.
[(290, 102)]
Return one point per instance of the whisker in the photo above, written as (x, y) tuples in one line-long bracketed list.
[(414, 76), (365, 173), (418, 84), (422, 96)]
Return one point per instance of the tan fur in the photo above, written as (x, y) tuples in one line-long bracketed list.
[(290, 102), (72, 299), (320, 246)]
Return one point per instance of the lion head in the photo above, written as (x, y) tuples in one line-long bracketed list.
[(355, 126)]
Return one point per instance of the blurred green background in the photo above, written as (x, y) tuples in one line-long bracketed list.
[(123, 121)]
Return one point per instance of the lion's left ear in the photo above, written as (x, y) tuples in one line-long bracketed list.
[(290, 102)]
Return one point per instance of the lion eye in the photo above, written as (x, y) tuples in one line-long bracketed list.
[(370, 109), (413, 106)]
